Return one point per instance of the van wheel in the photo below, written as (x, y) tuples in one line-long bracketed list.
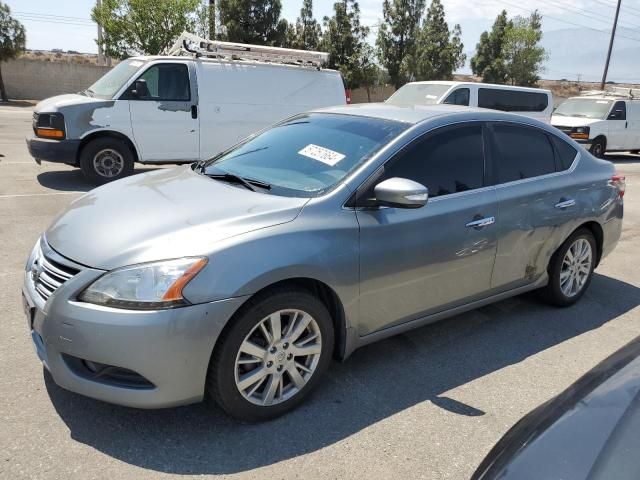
[(598, 147), (271, 356), (106, 159), (571, 269)]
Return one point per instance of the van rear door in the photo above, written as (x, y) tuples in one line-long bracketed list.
[(164, 115)]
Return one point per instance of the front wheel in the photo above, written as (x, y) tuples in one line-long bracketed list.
[(571, 269), (271, 356), (598, 148), (106, 159)]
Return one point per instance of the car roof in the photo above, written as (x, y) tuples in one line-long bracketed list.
[(480, 85), (414, 114)]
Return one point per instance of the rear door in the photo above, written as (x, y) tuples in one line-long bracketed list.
[(164, 119), (534, 199), (414, 262)]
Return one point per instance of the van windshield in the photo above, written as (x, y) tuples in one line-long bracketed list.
[(584, 107), (419, 94), (109, 84), (306, 155)]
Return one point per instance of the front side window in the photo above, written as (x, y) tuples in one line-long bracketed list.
[(618, 112), (522, 152), (460, 96), (447, 162), (110, 83), (419, 94), (307, 154), (166, 82), (512, 100)]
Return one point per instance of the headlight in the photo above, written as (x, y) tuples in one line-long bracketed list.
[(49, 125), (147, 286), (581, 133)]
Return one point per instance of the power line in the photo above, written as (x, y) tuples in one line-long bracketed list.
[(54, 17), (586, 14), (29, 19)]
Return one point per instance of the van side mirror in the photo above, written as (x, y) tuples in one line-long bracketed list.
[(140, 89), (401, 193)]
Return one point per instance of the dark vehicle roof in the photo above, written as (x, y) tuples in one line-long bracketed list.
[(591, 431)]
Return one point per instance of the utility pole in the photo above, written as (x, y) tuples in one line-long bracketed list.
[(613, 34), (212, 19), (100, 54)]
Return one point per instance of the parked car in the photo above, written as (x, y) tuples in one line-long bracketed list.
[(240, 277), (532, 102), (168, 109), (588, 432), (602, 122)]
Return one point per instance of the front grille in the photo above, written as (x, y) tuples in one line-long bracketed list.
[(48, 275)]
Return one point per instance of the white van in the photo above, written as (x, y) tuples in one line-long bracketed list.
[(176, 108), (603, 121), (532, 102)]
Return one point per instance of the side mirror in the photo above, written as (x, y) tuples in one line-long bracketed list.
[(140, 89), (401, 193)]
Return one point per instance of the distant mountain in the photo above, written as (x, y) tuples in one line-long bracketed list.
[(581, 51)]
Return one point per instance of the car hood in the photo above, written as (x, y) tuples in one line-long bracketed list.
[(167, 213), (562, 121), (54, 104)]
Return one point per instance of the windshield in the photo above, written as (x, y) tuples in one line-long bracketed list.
[(584, 107), (419, 94), (307, 154), (109, 84)]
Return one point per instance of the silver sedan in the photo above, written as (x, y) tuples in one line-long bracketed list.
[(242, 276)]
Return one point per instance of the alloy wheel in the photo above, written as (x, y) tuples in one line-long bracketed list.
[(278, 357), (576, 267)]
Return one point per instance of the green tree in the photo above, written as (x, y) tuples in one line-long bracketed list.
[(344, 39), (307, 29), (397, 34), (12, 41), (252, 21), (143, 26), (439, 51), (523, 55), (488, 62)]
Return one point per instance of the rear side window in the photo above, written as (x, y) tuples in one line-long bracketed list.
[(460, 96), (512, 100), (566, 153), (168, 81), (447, 162), (522, 152)]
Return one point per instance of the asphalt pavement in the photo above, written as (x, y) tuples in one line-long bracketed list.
[(426, 404)]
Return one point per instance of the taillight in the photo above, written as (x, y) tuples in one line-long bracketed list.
[(347, 94), (619, 181)]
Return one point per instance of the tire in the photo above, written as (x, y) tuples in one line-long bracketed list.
[(556, 292), (230, 367), (106, 159), (598, 147)]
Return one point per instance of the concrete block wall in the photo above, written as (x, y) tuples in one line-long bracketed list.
[(36, 79)]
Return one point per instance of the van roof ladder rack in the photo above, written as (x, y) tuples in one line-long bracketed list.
[(620, 92), (187, 43)]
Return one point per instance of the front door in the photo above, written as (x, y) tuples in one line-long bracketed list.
[(618, 137), (164, 118), (414, 262)]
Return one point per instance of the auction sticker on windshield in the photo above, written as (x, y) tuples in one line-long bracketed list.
[(321, 154)]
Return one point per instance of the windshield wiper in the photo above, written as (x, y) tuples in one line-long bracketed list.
[(246, 182)]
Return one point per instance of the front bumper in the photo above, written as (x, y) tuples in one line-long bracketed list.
[(171, 349), (61, 151)]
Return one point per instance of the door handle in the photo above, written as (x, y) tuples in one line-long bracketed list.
[(565, 203), (194, 111), (481, 222)]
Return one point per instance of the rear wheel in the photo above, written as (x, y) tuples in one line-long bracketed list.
[(106, 159), (598, 147), (272, 355), (571, 269)]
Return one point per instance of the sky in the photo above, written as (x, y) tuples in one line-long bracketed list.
[(67, 24)]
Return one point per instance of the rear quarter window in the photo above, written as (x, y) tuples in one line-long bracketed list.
[(512, 100), (566, 153)]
